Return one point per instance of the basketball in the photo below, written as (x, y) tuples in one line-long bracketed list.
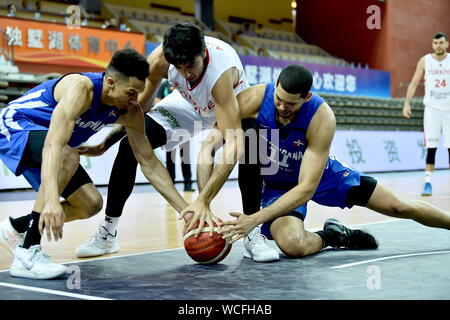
[(206, 249)]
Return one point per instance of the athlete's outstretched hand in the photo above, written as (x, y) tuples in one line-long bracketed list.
[(52, 219), (201, 213), (406, 110), (239, 228)]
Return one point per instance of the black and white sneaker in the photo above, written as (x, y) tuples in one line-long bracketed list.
[(344, 237), (101, 243)]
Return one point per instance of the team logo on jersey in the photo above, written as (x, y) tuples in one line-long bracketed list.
[(176, 85), (113, 113), (345, 174), (298, 143)]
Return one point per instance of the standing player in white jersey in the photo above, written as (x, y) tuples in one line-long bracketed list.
[(435, 69), (207, 74)]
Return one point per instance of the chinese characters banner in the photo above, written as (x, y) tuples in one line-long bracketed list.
[(380, 151), (54, 43), (327, 78)]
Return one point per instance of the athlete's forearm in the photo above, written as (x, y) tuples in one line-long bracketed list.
[(291, 200), (205, 160), (51, 166), (217, 179), (204, 172), (410, 92), (230, 154), (159, 177)]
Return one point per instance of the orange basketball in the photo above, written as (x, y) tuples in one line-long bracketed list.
[(206, 249)]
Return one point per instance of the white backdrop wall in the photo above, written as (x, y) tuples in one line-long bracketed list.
[(368, 151)]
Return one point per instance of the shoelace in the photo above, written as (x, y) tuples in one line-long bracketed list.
[(99, 240), (38, 255), (261, 239)]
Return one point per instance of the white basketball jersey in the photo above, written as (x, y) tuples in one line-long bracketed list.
[(437, 83), (196, 110)]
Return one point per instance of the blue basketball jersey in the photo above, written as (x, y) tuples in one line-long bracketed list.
[(287, 152), (33, 111), (288, 148)]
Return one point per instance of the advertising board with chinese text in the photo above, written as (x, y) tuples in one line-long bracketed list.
[(57, 44)]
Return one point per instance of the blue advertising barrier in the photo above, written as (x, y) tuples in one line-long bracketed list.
[(327, 78)]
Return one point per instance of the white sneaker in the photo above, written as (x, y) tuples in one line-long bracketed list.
[(9, 237), (33, 263), (102, 242), (256, 247)]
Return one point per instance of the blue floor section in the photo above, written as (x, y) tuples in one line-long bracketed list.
[(172, 275)]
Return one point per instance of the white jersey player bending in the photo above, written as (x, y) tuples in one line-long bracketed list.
[(207, 74), (434, 68)]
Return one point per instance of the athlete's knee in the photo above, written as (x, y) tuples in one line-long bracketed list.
[(293, 246), (92, 204), (70, 158), (95, 203), (403, 208)]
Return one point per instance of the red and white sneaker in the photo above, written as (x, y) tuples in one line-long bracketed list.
[(9, 237)]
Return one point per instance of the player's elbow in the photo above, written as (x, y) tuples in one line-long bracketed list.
[(307, 191), (145, 105)]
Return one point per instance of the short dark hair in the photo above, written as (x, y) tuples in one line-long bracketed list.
[(128, 63), (183, 42), (441, 35), (296, 79)]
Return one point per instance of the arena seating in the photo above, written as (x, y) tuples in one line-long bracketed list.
[(145, 15), (154, 23), (13, 85), (230, 28), (50, 12), (278, 44), (367, 113)]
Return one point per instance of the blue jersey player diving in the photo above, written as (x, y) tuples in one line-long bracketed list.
[(305, 126), (39, 133)]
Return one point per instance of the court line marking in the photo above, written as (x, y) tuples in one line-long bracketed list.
[(388, 258), (113, 257), (55, 292), (165, 250)]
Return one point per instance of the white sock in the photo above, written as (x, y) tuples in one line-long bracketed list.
[(428, 176), (110, 224)]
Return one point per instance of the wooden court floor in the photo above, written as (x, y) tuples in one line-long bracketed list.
[(150, 224)]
